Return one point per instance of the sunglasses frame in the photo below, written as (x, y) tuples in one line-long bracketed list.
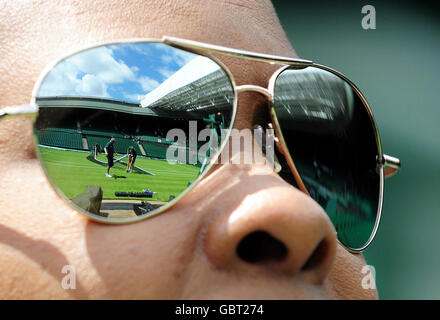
[(284, 149), (387, 165), (391, 164)]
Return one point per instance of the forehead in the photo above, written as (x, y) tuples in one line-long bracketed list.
[(38, 33), (84, 22), (66, 25)]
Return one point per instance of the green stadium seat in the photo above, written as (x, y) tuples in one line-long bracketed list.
[(60, 138), (121, 144)]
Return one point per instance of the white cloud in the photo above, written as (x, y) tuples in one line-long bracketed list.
[(133, 97), (140, 48), (88, 74), (175, 55), (62, 80), (147, 83), (93, 72), (166, 72), (93, 86), (101, 63)]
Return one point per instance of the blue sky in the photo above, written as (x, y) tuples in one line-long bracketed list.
[(123, 71)]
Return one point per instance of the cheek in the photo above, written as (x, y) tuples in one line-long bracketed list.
[(346, 278), (40, 233), (29, 204), (16, 141), (148, 259)]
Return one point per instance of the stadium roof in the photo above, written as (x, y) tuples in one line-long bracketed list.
[(197, 68), (199, 88), (302, 96), (93, 103)]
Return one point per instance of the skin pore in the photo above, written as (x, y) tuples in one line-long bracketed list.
[(190, 251)]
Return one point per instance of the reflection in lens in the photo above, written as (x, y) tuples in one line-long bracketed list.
[(105, 120), (332, 142)]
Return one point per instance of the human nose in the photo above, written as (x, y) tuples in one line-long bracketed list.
[(267, 223)]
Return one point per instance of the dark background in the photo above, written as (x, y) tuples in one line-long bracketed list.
[(396, 66)]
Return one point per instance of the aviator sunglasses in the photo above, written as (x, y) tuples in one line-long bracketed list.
[(103, 117)]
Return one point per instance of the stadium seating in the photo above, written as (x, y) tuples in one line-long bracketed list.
[(69, 138), (71, 127), (67, 130), (102, 133), (58, 138), (155, 150), (153, 138), (121, 144)]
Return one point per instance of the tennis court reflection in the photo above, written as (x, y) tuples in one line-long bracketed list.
[(105, 118)]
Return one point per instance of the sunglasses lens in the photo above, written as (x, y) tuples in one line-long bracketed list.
[(124, 130), (332, 141)]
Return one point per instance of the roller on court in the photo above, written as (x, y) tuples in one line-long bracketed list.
[(123, 162)]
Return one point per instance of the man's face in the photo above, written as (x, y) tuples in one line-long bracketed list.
[(112, 140), (191, 251)]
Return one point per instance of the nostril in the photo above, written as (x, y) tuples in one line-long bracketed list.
[(259, 246), (316, 257)]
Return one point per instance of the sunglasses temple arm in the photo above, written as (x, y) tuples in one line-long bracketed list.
[(23, 110), (205, 47), (391, 165)]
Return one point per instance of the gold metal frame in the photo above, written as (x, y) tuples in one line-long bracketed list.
[(387, 165), (381, 163), (33, 106)]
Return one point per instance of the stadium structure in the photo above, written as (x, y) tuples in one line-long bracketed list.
[(79, 123), (83, 122)]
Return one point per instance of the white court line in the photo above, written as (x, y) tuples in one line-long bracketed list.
[(180, 171)]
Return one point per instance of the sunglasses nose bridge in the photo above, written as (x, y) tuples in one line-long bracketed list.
[(251, 87)]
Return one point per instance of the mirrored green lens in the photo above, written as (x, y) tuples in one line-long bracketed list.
[(332, 141), (124, 129)]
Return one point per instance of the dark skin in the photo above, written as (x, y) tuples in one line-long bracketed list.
[(194, 251)]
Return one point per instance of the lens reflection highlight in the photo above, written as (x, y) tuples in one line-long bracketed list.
[(105, 117), (332, 141)]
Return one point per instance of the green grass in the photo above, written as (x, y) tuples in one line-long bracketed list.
[(72, 172)]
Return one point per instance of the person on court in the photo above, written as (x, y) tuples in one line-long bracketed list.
[(109, 151), (131, 153)]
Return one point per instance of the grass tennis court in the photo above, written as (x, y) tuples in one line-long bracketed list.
[(71, 171)]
